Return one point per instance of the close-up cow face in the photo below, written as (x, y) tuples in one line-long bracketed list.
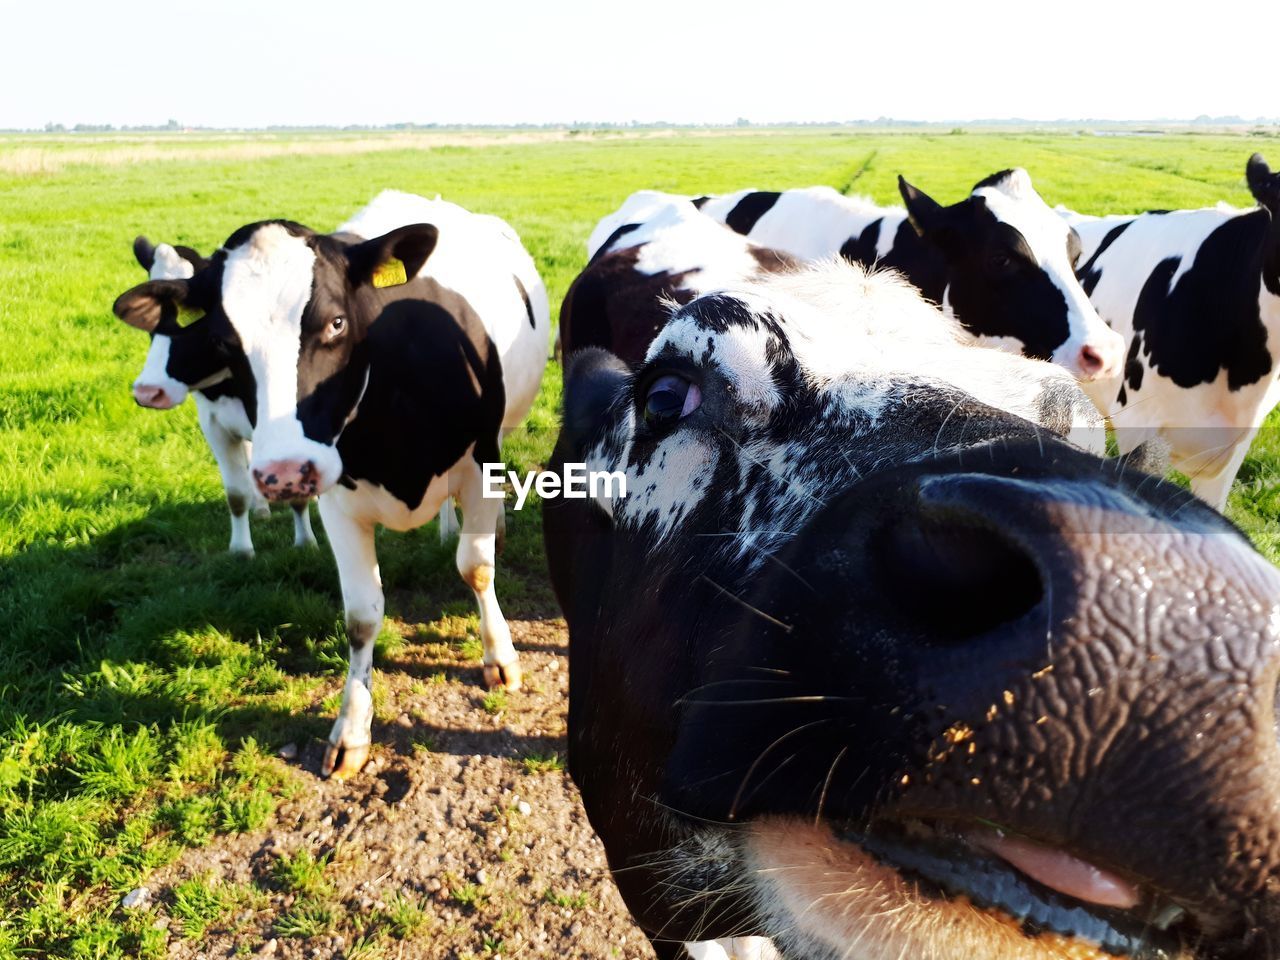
[(874, 669), (1011, 278), (292, 308), (1263, 183), (167, 375)]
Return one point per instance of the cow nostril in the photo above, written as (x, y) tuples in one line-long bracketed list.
[(1091, 361), (974, 578)]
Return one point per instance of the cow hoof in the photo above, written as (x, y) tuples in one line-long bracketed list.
[(305, 544), (506, 675), (243, 552), (352, 761)]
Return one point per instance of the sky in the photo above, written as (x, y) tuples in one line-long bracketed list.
[(374, 62)]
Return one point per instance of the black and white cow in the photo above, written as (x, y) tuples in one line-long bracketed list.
[(1263, 184), (388, 359), (876, 670), (167, 378), (999, 261), (655, 250), (1196, 295)]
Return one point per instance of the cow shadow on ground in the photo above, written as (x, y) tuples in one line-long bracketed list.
[(153, 622)]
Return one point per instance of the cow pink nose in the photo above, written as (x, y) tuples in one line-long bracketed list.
[(1092, 363), (154, 397), (287, 479)]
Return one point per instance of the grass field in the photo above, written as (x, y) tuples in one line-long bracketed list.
[(146, 677)]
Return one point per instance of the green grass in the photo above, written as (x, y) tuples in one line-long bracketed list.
[(146, 676)]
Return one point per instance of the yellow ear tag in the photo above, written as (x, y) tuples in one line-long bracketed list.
[(389, 274)]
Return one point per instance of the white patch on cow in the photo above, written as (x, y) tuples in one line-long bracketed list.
[(641, 207), (170, 265), (812, 222), (672, 483), (266, 285), (155, 371), (1013, 200)]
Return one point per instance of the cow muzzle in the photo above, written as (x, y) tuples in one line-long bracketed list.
[(156, 397), (291, 480), (1100, 358), (1077, 680)]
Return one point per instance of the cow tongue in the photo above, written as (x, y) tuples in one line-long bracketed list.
[(1058, 870)]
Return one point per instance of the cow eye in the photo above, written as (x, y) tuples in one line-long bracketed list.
[(337, 326), (1001, 262), (669, 398)]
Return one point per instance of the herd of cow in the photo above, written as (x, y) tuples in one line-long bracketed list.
[(879, 657)]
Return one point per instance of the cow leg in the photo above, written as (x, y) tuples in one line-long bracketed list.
[(302, 533), (232, 456), (448, 520), (1214, 488), (261, 505), (477, 547), (362, 601)]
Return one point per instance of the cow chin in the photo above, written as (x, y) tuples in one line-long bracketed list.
[(825, 893)]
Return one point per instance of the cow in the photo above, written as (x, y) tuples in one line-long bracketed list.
[(655, 250), (870, 667), (999, 261), (388, 359), (1196, 295), (220, 403)]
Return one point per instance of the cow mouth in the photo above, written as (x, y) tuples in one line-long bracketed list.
[(1043, 889)]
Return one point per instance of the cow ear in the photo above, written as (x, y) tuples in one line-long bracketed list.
[(150, 303), (1257, 173), (593, 378), (144, 251), (926, 213), (411, 245)]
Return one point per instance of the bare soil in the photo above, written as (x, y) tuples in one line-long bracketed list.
[(435, 816)]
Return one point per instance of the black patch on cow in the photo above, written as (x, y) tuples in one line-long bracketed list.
[(618, 308), (996, 288), (748, 211), (1091, 273), (772, 261), (618, 234), (699, 202), (426, 357), (1210, 322), (993, 180), (528, 304), (861, 248), (912, 256), (1122, 398), (1133, 368), (241, 236)]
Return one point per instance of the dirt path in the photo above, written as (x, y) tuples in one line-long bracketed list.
[(462, 812)]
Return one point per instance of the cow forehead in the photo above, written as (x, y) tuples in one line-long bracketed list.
[(1045, 231), (266, 285)]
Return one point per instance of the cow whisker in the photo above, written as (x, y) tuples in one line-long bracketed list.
[(733, 807), (756, 610), (747, 703)]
